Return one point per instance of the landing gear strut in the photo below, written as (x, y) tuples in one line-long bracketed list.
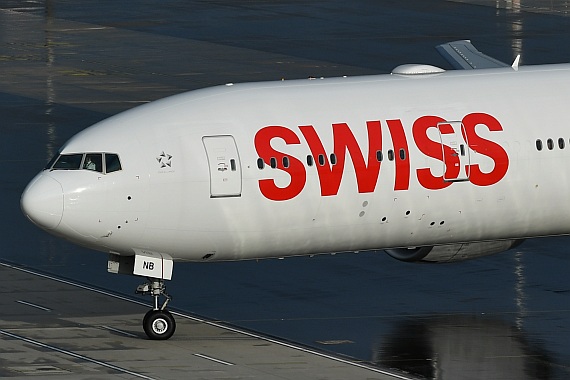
[(158, 323)]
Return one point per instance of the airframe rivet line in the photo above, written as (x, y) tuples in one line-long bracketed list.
[(75, 355)]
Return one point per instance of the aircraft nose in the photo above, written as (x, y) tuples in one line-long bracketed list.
[(42, 202)]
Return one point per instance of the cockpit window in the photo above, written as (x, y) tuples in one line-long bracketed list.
[(51, 162), (112, 162), (68, 162), (86, 161), (93, 161)]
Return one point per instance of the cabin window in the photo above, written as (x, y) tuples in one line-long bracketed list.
[(550, 144), (112, 163), (260, 163), (561, 143), (321, 159), (310, 160), (333, 159), (285, 162), (273, 162), (233, 166), (402, 154), (539, 144), (391, 155), (68, 162), (379, 155)]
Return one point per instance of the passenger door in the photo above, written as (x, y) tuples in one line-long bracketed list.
[(225, 166), (451, 135)]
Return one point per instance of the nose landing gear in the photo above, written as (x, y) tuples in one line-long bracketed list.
[(158, 323)]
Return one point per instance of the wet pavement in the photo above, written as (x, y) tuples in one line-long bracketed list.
[(65, 65), (48, 330)]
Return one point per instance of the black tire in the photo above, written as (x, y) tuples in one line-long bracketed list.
[(151, 312), (159, 324), (146, 317)]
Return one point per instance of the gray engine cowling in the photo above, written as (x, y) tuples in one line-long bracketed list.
[(452, 252)]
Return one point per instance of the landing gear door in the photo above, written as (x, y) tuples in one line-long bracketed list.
[(225, 166), (455, 151)]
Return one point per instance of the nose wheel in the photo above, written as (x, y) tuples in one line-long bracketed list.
[(158, 323)]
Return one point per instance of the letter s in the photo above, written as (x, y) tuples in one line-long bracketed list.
[(431, 149), (486, 147), (295, 169)]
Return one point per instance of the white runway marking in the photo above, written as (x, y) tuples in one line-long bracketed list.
[(119, 331), (75, 355), (33, 305), (213, 359)]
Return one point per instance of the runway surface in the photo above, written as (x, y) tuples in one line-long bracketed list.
[(48, 330), (65, 65)]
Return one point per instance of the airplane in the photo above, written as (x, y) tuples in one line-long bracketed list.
[(430, 165)]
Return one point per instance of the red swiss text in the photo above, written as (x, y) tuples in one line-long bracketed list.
[(367, 168)]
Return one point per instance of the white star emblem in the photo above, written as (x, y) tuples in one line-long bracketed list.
[(165, 160)]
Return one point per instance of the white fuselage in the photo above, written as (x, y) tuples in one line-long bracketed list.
[(418, 160)]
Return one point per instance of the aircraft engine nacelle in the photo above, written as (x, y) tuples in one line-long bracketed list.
[(452, 252)]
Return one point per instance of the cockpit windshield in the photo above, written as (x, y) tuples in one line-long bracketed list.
[(98, 162), (68, 162), (93, 161)]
